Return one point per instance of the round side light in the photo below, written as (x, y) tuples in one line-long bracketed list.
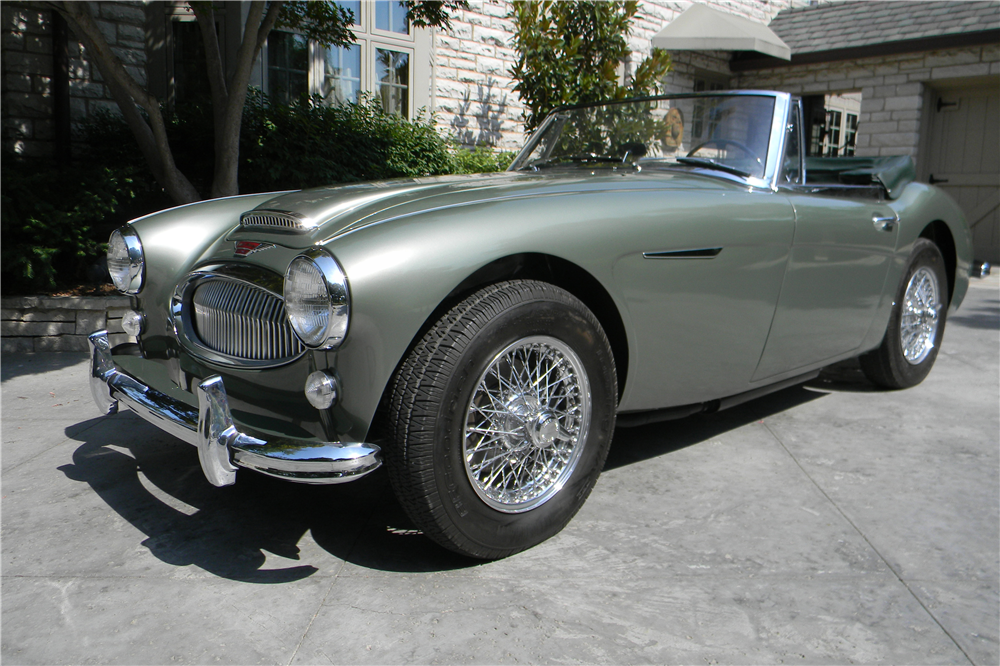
[(321, 390)]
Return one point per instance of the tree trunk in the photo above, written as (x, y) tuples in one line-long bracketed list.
[(151, 136), (229, 97)]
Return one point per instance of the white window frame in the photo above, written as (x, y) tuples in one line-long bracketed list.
[(416, 44)]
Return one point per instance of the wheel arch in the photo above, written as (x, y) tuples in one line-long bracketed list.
[(545, 268), (938, 233)]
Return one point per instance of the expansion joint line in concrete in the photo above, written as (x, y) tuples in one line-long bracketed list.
[(870, 544), (336, 577)]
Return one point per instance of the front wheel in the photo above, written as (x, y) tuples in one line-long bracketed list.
[(503, 415), (916, 325)]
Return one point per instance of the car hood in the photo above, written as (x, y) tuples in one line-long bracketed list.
[(342, 209)]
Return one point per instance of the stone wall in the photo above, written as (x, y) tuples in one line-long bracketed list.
[(43, 324), (471, 88), (28, 68), (473, 93), (654, 15), (892, 89)]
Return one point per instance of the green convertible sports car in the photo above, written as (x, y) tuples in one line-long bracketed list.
[(483, 335)]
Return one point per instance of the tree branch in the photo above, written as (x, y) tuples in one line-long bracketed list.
[(152, 135)]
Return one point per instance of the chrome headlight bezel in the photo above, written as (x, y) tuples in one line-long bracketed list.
[(128, 271), (331, 303)]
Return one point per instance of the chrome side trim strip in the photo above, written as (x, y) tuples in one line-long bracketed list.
[(222, 448), (704, 253)]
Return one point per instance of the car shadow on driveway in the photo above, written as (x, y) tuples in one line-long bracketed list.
[(155, 482)]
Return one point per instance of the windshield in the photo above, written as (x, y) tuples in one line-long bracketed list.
[(729, 133)]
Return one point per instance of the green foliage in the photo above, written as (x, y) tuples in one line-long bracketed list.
[(569, 53), (325, 22), (55, 221), (432, 13), (308, 144), (480, 160)]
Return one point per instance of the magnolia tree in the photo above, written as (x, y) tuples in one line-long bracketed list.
[(570, 53), (324, 22)]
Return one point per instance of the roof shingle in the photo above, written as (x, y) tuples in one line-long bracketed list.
[(840, 25)]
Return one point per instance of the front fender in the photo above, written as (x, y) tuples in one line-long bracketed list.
[(400, 273)]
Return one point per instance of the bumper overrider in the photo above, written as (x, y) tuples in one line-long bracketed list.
[(222, 448)]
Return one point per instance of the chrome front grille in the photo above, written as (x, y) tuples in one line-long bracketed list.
[(273, 220), (242, 321)]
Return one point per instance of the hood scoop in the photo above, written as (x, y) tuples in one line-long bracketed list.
[(276, 220)]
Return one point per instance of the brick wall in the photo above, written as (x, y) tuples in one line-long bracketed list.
[(892, 89), (28, 68)]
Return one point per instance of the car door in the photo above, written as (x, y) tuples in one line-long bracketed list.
[(844, 241), (701, 282)]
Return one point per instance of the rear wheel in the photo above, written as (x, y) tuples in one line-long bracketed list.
[(916, 325), (503, 415)]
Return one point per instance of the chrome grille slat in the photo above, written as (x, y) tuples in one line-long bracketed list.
[(242, 321)]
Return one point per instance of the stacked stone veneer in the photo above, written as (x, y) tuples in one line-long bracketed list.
[(654, 15), (28, 68), (471, 88), (473, 93), (892, 89), (40, 323)]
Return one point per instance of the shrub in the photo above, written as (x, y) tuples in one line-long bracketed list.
[(308, 144), (55, 222), (480, 160)]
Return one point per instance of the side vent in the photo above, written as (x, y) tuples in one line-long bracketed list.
[(274, 220)]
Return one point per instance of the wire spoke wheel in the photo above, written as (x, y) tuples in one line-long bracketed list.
[(919, 318), (526, 423), (916, 323)]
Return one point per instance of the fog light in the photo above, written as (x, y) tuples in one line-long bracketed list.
[(132, 322), (321, 390)]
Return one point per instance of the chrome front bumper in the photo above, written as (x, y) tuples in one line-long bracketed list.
[(222, 448)]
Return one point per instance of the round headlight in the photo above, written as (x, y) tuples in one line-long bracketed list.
[(317, 299), (125, 260)]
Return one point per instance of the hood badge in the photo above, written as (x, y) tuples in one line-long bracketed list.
[(244, 248)]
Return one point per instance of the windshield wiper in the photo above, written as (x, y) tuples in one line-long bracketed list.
[(553, 161), (712, 164)]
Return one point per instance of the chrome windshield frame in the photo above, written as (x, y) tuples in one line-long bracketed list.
[(776, 142)]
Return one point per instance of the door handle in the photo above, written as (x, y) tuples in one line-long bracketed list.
[(933, 180), (884, 223)]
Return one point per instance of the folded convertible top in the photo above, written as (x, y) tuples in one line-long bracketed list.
[(892, 173)]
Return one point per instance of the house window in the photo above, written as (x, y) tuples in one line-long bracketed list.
[(382, 63), (831, 145), (704, 122), (287, 66), (850, 135), (342, 74), (832, 122), (392, 71), (355, 8), (391, 17)]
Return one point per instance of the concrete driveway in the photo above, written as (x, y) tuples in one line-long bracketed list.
[(830, 523)]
